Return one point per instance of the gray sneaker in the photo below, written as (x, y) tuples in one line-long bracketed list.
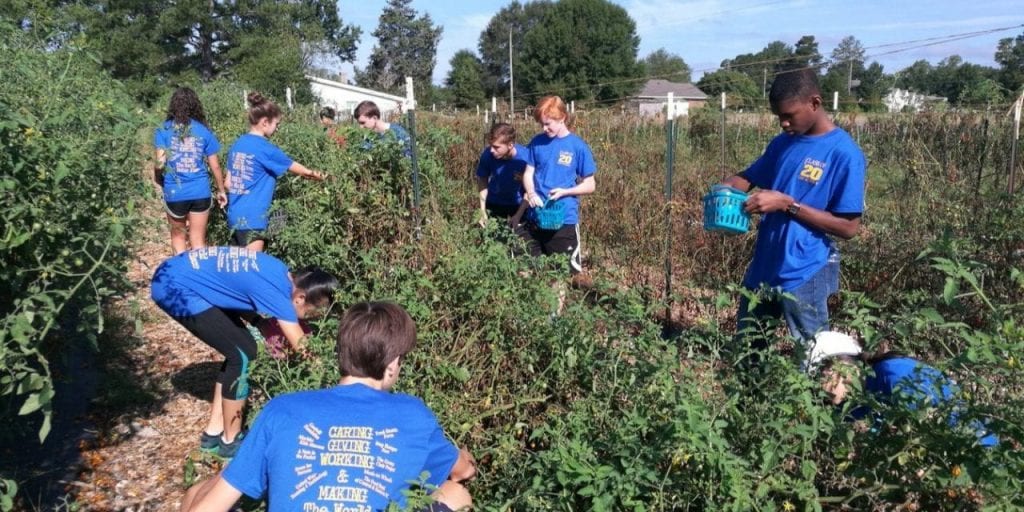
[(209, 443), (228, 450)]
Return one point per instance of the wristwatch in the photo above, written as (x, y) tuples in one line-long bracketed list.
[(793, 209)]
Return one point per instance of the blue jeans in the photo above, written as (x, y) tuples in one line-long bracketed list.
[(804, 308)]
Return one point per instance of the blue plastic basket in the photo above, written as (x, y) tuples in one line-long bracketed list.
[(723, 210), (551, 216)]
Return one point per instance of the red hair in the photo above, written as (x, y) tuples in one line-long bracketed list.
[(551, 107)]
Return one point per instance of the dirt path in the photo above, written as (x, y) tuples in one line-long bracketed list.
[(154, 398)]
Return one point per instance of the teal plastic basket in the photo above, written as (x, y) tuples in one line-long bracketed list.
[(551, 216), (723, 210)]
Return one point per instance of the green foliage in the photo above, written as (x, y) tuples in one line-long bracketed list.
[(740, 90), (406, 46), (465, 80), (1010, 57), (774, 58), (67, 192), (148, 44), (805, 54), (515, 20), (663, 64), (594, 409), (581, 49)]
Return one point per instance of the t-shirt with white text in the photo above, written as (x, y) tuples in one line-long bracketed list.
[(254, 165), (232, 278), (349, 448), (187, 147)]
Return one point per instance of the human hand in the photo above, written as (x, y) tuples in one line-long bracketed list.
[(301, 353), (558, 193), (534, 200), (222, 199), (483, 219), (767, 201)]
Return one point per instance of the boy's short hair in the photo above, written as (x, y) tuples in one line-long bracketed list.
[(502, 132), (371, 335), (791, 85), (366, 108), (327, 113)]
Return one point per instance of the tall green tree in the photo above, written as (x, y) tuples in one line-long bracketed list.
[(406, 46), (805, 53), (465, 80), (761, 67), (516, 19), (740, 90), (1010, 56), (581, 49), (916, 77), (149, 44), (847, 61), (663, 64)]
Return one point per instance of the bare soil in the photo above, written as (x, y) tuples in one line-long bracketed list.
[(154, 399)]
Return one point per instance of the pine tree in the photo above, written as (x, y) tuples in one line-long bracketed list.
[(406, 46)]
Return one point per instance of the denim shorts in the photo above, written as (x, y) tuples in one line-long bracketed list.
[(804, 308)]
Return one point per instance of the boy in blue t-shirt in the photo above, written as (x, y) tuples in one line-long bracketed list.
[(811, 181), (367, 115), (355, 446), (499, 174)]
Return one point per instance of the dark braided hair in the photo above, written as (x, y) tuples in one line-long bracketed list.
[(185, 105)]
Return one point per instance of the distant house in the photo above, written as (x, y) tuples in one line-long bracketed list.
[(345, 97), (654, 97), (900, 100)]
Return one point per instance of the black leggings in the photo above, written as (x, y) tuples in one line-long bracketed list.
[(225, 331)]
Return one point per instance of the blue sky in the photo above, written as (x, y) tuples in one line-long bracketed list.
[(704, 32)]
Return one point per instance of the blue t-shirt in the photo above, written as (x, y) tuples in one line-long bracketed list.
[(558, 162), (349, 447), (912, 383), (825, 172), (505, 176), (394, 132), (254, 165), (232, 278), (187, 148)]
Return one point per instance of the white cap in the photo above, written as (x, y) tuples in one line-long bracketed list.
[(828, 344)]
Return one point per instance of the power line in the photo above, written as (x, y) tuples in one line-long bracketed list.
[(933, 41)]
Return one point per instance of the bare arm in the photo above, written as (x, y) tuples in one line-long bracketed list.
[(531, 192), (844, 226), (738, 182), (218, 179), (481, 187), (293, 333), (464, 468), (213, 495), (587, 186), (161, 161), (303, 171)]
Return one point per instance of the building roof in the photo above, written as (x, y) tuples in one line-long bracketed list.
[(347, 87), (659, 88)]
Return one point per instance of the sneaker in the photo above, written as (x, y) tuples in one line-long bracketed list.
[(228, 450), (209, 442)]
